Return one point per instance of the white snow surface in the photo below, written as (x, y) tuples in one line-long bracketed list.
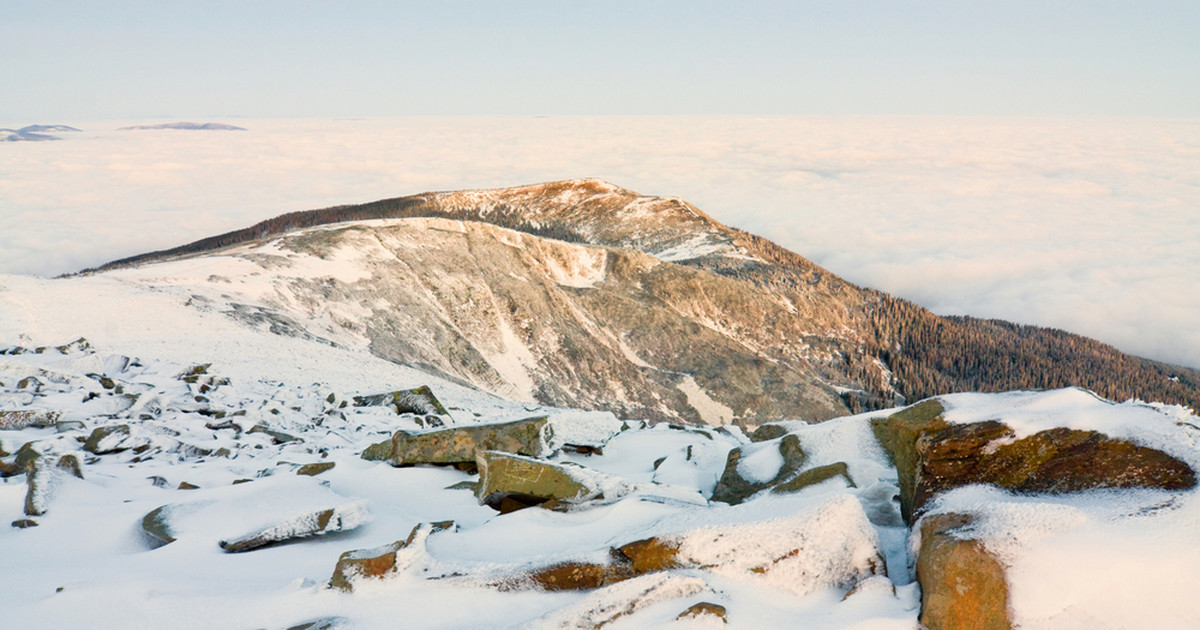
[(1104, 559)]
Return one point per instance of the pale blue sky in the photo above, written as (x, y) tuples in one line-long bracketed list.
[(64, 60)]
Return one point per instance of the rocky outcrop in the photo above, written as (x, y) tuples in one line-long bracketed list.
[(457, 445), (963, 586), (933, 456), (782, 459)]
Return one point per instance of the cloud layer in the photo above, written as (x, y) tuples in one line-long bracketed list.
[(1091, 225)]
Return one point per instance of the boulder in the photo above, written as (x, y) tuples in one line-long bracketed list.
[(768, 432), (314, 469), (831, 544), (108, 439), (44, 475), (277, 437), (963, 586), (382, 561), (504, 476), (335, 519), (378, 452), (574, 576), (814, 476), (461, 444), (704, 609), (323, 623), (244, 517), (933, 456), (419, 401), (619, 601), (16, 420), (738, 482)]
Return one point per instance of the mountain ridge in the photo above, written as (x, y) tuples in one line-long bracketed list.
[(836, 347)]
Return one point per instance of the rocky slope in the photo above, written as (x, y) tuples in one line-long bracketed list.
[(581, 293)]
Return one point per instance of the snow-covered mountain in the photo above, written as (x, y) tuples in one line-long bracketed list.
[(670, 314)]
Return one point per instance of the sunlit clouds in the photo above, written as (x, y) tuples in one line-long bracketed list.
[(1092, 225)]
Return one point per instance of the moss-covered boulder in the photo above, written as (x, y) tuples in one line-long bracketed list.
[(742, 477), (531, 481), (113, 438), (314, 469), (378, 452), (814, 476), (768, 432), (963, 586), (898, 435), (458, 445), (933, 456), (420, 401)]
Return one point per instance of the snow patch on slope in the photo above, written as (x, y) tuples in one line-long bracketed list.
[(711, 411)]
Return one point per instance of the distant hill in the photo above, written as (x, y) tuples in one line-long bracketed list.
[(33, 133), (657, 311), (186, 125)]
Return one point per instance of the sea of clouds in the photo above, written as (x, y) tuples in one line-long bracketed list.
[(1091, 225)]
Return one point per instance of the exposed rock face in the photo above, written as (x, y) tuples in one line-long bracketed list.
[(933, 456), (462, 444), (736, 486), (963, 586), (502, 475)]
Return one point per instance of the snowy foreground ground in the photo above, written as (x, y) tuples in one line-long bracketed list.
[(1097, 559)]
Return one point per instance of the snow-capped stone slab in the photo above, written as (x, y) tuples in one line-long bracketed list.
[(830, 544), (253, 515), (934, 455), (619, 601)]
